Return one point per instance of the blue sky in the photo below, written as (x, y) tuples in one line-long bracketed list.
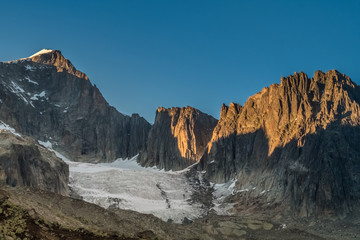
[(146, 54)]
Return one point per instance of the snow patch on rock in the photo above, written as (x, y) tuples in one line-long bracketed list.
[(49, 146), (7, 128), (43, 51), (36, 96), (30, 68), (31, 81), (15, 88)]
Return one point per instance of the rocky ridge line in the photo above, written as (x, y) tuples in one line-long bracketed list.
[(292, 145)]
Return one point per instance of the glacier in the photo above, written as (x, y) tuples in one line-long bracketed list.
[(125, 184)]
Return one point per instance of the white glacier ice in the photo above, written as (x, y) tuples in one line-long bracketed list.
[(127, 185)]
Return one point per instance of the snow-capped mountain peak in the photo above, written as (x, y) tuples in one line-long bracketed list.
[(43, 51)]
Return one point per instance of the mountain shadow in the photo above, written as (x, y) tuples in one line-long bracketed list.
[(317, 175)]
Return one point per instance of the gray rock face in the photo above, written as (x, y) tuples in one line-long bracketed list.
[(23, 162), (178, 138), (293, 145), (46, 98)]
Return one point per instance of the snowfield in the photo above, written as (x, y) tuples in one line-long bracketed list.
[(127, 185)]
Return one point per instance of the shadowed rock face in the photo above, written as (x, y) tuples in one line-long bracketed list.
[(46, 98), (23, 162), (178, 138), (294, 144)]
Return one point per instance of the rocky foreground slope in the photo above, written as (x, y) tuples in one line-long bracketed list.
[(27, 213), (292, 146), (45, 97), (178, 138)]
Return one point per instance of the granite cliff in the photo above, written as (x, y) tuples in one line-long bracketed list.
[(23, 162), (46, 98), (293, 145), (178, 138)]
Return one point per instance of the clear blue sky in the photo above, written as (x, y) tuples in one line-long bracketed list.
[(146, 54)]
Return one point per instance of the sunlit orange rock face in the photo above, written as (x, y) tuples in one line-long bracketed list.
[(292, 109), (55, 58), (178, 138), (295, 142)]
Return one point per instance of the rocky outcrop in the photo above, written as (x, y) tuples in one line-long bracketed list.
[(23, 162), (178, 138), (294, 143), (45, 97)]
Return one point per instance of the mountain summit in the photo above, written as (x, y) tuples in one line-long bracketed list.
[(45, 97), (55, 58), (43, 51)]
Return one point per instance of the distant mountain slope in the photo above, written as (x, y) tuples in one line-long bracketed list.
[(294, 145), (45, 97), (178, 138)]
